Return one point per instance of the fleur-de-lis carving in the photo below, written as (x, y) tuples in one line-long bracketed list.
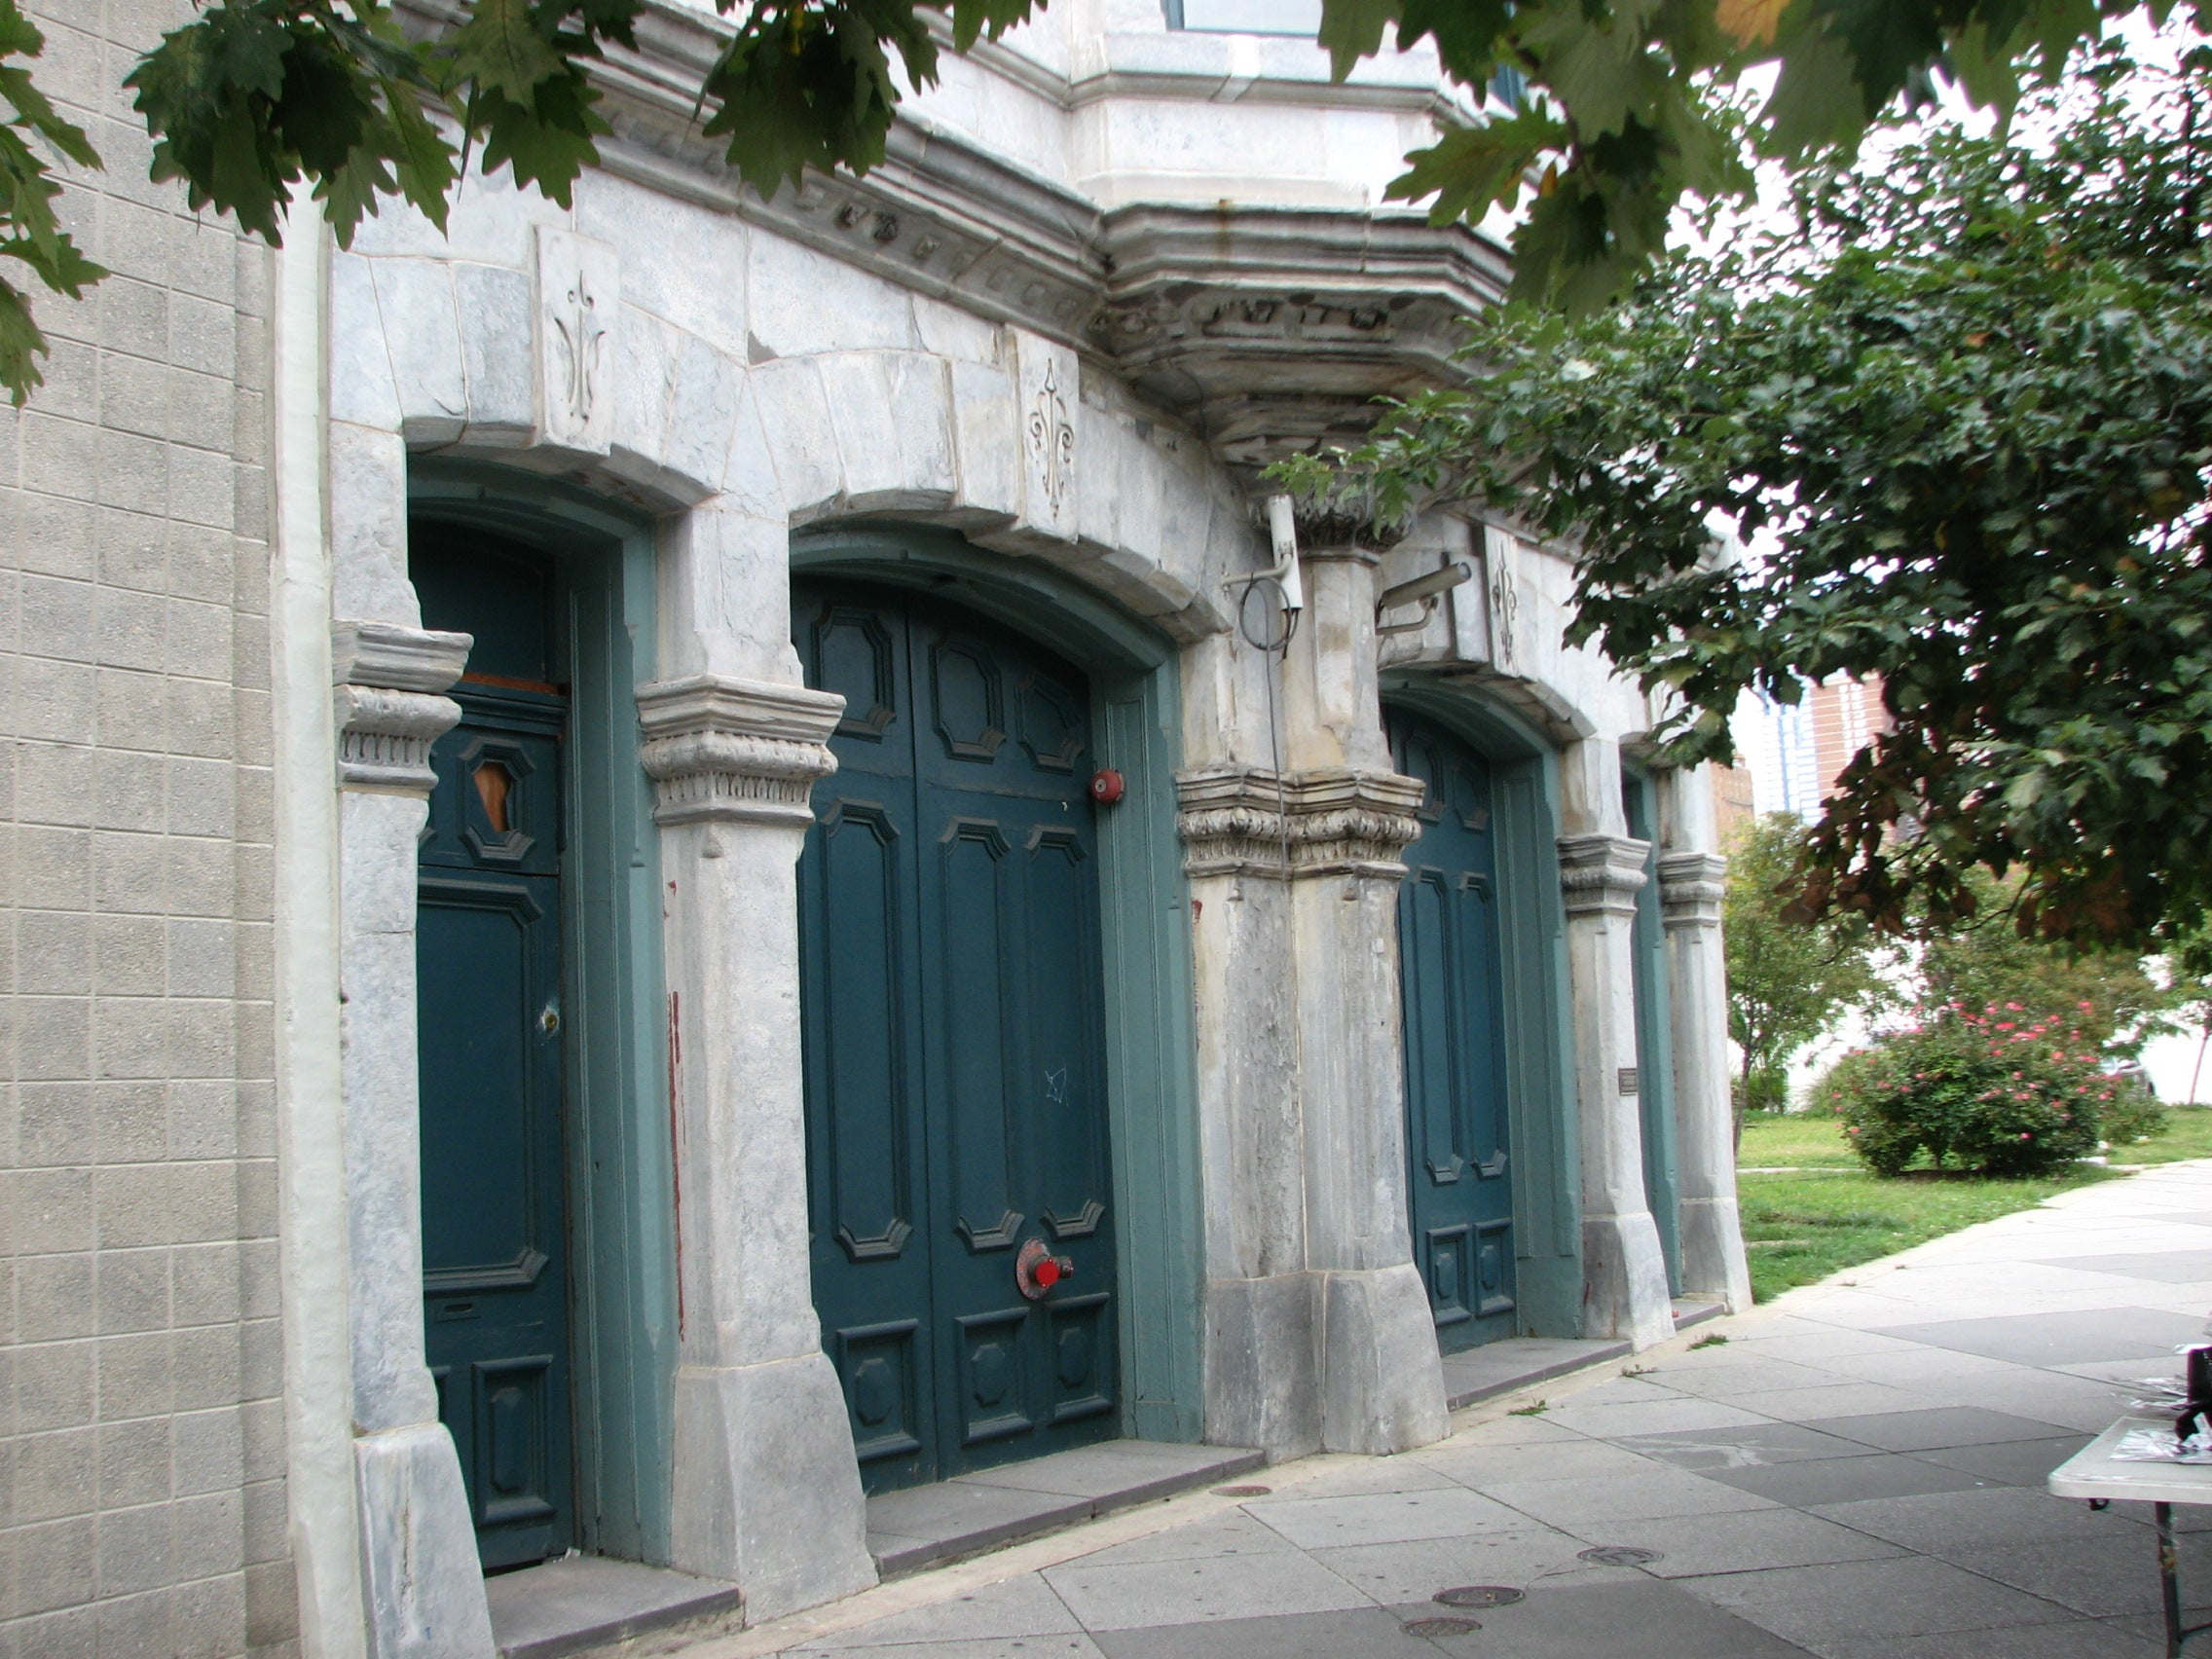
[(1052, 439), (583, 341), (1504, 602)]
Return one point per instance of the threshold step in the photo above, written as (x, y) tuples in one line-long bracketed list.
[(1478, 1374), (1696, 1311), (927, 1526), (580, 1604)]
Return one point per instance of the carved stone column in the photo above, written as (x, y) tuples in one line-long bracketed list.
[(418, 1539), (1692, 884), (1383, 1384), (1262, 1339), (767, 1486), (1350, 816), (1624, 1273)]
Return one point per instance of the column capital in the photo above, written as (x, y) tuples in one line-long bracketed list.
[(1601, 874), (387, 679), (1691, 888), (1240, 821), (722, 750)]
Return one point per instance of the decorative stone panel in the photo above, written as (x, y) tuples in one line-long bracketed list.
[(1246, 820), (387, 702), (1601, 874), (579, 295), (1692, 887), (728, 750)]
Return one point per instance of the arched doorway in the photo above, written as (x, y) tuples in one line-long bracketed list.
[(541, 1064), (489, 976), (954, 1012), (1459, 1183)]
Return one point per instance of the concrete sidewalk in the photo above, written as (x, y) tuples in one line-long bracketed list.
[(1855, 1473)]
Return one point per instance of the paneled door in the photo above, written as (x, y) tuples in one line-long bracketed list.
[(953, 1018), (487, 961), (1458, 1179)]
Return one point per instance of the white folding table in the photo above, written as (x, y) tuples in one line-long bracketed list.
[(2095, 1474)]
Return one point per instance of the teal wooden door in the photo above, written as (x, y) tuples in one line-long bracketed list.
[(1458, 1178), (487, 961), (953, 1018)]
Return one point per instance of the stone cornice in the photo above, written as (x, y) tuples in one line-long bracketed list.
[(1242, 820), (1271, 327), (1691, 888), (728, 750), (1601, 874), (386, 703)]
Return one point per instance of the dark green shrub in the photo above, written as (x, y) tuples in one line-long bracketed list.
[(2132, 1113), (1766, 1088), (1991, 1092)]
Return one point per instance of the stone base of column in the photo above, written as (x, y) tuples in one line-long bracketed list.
[(1263, 1365), (1382, 1385), (768, 1493), (1624, 1280), (1713, 1251), (419, 1570)]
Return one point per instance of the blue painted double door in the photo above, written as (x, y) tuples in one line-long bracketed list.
[(953, 1017), (1458, 1176), (487, 965)]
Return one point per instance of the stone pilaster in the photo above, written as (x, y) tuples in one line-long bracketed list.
[(766, 1489), (417, 1537), (1692, 886), (1334, 1342), (1624, 1272)]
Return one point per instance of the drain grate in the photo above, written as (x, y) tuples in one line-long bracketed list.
[(1478, 1596), (1242, 1491), (1440, 1626), (1619, 1555)]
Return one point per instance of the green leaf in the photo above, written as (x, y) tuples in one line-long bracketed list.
[(501, 49)]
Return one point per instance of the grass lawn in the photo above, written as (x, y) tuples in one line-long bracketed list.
[(1829, 1214)]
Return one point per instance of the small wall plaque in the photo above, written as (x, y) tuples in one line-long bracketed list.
[(1630, 1082)]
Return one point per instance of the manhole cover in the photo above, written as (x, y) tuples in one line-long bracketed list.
[(1242, 1492), (1479, 1596), (1620, 1555), (1441, 1626)]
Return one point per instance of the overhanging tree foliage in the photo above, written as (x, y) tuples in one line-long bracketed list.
[(1962, 408), (257, 97)]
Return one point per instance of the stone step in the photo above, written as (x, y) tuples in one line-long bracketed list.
[(583, 1603), (1696, 1311), (927, 1526), (1484, 1373)]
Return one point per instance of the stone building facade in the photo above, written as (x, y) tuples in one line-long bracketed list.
[(441, 1132)]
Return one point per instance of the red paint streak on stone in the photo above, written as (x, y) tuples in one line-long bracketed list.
[(674, 1152)]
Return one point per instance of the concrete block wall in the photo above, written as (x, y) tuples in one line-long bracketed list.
[(142, 1437)]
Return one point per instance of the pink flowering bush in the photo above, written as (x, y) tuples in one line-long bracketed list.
[(1990, 1091)]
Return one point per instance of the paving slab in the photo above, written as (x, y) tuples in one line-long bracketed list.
[(1749, 1447), (1365, 1632), (2059, 1339), (1129, 1596), (1853, 1600), (1650, 1620), (1841, 1480), (1934, 1428), (1854, 1475)]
